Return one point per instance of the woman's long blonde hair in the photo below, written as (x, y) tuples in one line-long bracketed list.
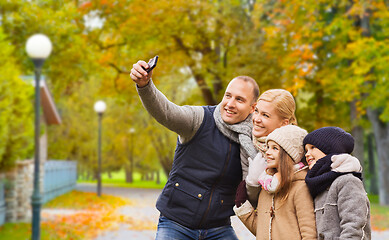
[(284, 103)]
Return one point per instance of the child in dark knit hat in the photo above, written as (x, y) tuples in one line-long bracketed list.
[(342, 209)]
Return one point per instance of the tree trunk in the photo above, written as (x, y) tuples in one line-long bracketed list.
[(206, 92), (357, 132), (158, 181), (166, 162), (372, 168), (164, 152), (381, 133), (129, 169), (129, 178)]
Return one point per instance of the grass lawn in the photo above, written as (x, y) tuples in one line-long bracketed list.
[(117, 179), (20, 231)]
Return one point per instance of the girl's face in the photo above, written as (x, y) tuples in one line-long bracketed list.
[(313, 154), (273, 154), (266, 119)]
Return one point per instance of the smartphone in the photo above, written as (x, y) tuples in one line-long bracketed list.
[(152, 63)]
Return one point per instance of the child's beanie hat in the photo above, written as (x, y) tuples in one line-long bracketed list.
[(331, 140), (290, 138)]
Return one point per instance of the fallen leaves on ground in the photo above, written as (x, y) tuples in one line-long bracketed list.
[(90, 215)]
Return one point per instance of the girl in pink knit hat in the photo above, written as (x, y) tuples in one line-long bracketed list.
[(286, 211)]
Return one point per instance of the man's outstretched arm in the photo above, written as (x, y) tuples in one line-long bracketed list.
[(184, 120)]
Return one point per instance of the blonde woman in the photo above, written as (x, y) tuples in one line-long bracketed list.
[(275, 108)]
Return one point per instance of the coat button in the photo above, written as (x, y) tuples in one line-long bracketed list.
[(199, 195), (177, 184)]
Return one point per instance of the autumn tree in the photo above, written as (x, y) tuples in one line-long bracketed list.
[(330, 54), (335, 53)]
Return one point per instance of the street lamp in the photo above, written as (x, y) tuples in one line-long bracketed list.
[(99, 107), (38, 48)]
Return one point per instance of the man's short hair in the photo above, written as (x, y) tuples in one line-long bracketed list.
[(255, 86)]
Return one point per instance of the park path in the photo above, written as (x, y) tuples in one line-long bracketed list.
[(144, 209)]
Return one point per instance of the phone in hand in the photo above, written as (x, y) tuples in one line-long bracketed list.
[(152, 63)]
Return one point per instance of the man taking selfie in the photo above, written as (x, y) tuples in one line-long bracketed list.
[(197, 200)]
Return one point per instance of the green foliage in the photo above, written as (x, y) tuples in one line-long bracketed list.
[(16, 110)]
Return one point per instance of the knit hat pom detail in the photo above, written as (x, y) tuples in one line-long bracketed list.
[(290, 138), (331, 140)]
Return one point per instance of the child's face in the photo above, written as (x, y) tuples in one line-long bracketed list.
[(313, 154), (273, 154), (266, 119)]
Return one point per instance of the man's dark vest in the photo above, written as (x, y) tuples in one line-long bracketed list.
[(200, 191)]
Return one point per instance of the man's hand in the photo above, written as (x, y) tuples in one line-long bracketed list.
[(139, 75)]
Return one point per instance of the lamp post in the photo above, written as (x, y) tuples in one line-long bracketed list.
[(38, 48), (99, 107)]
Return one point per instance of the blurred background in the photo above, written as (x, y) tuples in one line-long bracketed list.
[(332, 55)]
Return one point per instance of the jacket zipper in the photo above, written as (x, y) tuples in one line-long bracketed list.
[(214, 186)]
